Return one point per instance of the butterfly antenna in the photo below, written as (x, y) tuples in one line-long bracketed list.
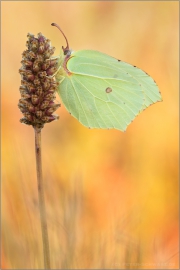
[(67, 47)]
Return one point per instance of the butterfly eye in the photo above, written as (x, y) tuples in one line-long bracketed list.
[(66, 51)]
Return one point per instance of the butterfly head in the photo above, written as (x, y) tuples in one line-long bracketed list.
[(66, 51)]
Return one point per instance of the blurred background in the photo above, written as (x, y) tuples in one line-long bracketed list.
[(111, 197)]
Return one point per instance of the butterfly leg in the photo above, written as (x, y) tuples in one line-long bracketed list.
[(61, 79)]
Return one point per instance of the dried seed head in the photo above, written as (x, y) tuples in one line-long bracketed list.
[(44, 104), (31, 108), (37, 82), (52, 109), (39, 90), (35, 99), (27, 63), (25, 121), (39, 114), (41, 47), (37, 85), (36, 66), (46, 64), (22, 108), (48, 119), (51, 70), (42, 74)]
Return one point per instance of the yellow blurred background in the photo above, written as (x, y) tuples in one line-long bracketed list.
[(111, 197)]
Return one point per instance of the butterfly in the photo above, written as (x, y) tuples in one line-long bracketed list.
[(101, 91)]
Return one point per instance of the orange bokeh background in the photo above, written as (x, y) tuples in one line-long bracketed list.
[(111, 197)]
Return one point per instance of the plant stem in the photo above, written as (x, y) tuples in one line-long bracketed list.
[(41, 198)]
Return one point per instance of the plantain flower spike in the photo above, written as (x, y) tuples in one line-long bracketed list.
[(38, 86)]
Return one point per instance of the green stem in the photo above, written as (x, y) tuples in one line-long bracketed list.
[(41, 198)]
